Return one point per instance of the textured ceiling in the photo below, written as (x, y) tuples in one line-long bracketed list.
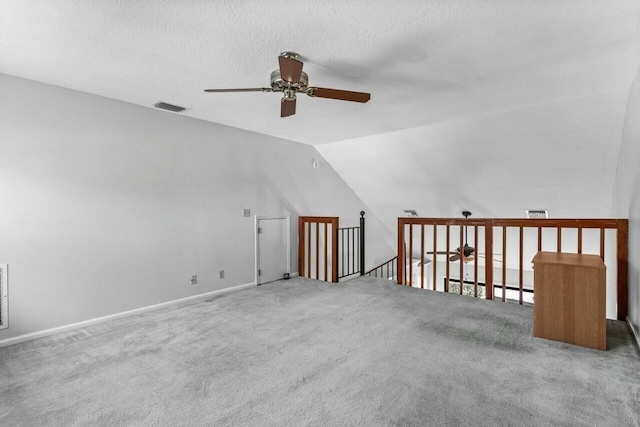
[(422, 61), (494, 106)]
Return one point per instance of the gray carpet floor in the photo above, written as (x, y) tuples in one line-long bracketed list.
[(304, 353)]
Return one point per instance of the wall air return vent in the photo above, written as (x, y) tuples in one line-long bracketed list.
[(169, 107), (4, 313), (537, 213)]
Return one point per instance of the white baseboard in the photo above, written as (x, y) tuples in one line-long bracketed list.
[(634, 331), (57, 330)]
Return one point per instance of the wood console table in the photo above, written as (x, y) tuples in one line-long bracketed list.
[(570, 299)]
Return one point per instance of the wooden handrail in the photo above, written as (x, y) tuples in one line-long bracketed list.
[(560, 224), (304, 247)]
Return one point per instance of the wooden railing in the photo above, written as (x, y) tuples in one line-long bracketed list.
[(519, 236), (318, 247), (324, 247)]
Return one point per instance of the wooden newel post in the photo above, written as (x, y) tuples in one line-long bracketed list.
[(362, 243)]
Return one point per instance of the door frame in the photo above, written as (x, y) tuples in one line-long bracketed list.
[(258, 218)]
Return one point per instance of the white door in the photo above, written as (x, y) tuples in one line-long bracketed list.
[(272, 244)]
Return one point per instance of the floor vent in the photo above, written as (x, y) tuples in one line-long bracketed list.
[(4, 314), (169, 107)]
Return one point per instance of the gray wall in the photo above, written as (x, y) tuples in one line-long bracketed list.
[(626, 199), (108, 207)]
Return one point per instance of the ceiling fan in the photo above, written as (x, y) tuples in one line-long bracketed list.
[(291, 80), (466, 253)]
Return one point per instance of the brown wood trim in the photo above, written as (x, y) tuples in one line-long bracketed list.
[(401, 264), (559, 239), (441, 221), (539, 239), (446, 282), (318, 250), (301, 246), (621, 225), (421, 256), (623, 267), (328, 219), (517, 222), (461, 276), (475, 262), (504, 263), (556, 222), (305, 233), (520, 278), (334, 249), (579, 240), (326, 246), (410, 257), (309, 250), (488, 245), (435, 245)]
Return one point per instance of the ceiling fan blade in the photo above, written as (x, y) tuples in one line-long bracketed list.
[(343, 95), (290, 69), (455, 257), (250, 89), (287, 107), (438, 253)]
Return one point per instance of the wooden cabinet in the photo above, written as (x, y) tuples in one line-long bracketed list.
[(570, 299)]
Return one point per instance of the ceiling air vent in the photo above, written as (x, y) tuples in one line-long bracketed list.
[(537, 213), (169, 107)]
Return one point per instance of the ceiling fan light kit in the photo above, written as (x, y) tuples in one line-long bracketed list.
[(291, 80)]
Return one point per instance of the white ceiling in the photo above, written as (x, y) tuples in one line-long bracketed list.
[(466, 96)]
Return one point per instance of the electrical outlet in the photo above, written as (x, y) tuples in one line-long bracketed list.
[(194, 279), (222, 274)]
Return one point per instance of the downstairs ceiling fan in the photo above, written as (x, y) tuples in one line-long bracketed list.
[(466, 253), (291, 80)]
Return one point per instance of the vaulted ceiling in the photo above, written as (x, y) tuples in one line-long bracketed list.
[(493, 106)]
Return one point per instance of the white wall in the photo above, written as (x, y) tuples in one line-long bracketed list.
[(559, 156), (626, 199), (106, 206)]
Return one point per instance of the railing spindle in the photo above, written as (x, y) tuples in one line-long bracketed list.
[(559, 239), (435, 256), (622, 253), (446, 282), (520, 299), (475, 262), (421, 256), (488, 244), (326, 245), (410, 281), (504, 263), (579, 240), (462, 256), (539, 239), (309, 249), (317, 250)]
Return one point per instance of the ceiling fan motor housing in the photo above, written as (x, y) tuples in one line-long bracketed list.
[(279, 84)]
